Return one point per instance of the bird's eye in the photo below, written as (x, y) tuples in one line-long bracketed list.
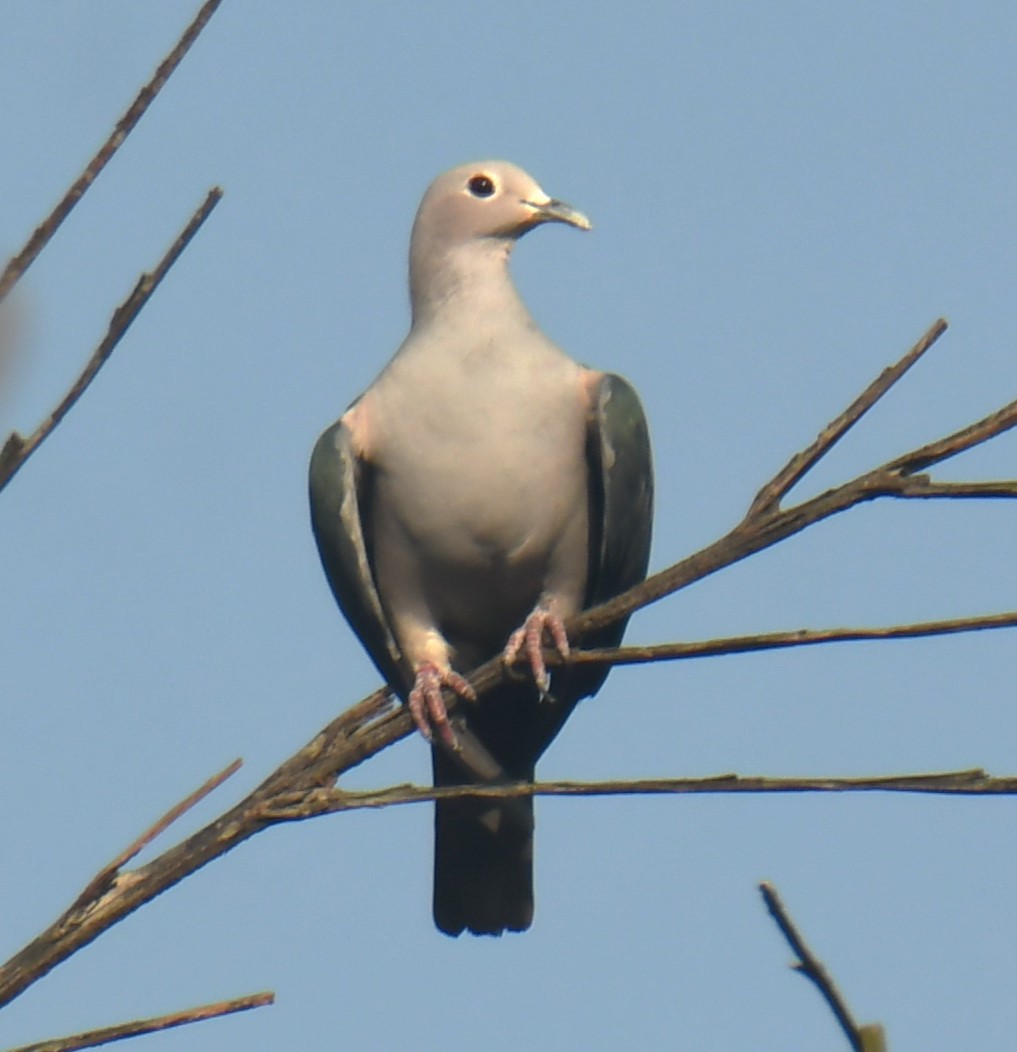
[(481, 185)]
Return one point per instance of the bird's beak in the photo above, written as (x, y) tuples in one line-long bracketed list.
[(554, 211)]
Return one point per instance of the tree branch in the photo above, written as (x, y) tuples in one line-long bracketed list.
[(868, 1038), (766, 524), (921, 487), (16, 450), (305, 780), (92, 1038), (770, 496), (959, 442), (297, 806), (41, 237), (103, 880), (777, 641)]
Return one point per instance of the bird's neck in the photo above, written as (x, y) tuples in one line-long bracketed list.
[(472, 277)]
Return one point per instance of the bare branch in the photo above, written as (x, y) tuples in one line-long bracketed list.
[(40, 238), (300, 805), (959, 442), (16, 450), (921, 487), (92, 1038), (863, 1039), (778, 640), (767, 523), (104, 878), (108, 884), (302, 785), (770, 496)]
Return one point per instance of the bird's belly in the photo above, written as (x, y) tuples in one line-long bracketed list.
[(484, 530), (480, 521)]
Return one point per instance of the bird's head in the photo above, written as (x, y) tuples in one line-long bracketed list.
[(488, 199), (468, 221)]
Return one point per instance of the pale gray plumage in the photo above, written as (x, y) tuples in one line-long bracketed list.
[(483, 490)]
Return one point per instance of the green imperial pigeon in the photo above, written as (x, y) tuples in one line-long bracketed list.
[(482, 491)]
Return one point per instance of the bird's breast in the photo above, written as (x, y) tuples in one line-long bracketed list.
[(481, 480)]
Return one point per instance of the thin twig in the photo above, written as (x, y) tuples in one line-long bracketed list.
[(40, 238), (921, 487), (304, 804), (92, 1038), (990, 426), (104, 878), (636, 655), (769, 525), (771, 494), (16, 450), (812, 968)]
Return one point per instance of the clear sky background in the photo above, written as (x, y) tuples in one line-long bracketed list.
[(784, 197)]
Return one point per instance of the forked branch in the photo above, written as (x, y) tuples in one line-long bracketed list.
[(770, 496)]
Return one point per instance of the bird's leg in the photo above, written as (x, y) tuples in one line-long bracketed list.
[(427, 706), (528, 640)]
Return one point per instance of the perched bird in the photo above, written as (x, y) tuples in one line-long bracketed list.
[(484, 489)]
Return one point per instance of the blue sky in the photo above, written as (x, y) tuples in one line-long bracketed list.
[(784, 197)]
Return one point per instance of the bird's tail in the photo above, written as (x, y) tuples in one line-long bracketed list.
[(483, 860)]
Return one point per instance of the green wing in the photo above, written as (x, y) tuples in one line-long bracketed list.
[(621, 523), (621, 472), (340, 492), (339, 483)]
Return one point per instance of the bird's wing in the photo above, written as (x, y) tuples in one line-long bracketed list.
[(621, 523), (339, 483), (621, 474)]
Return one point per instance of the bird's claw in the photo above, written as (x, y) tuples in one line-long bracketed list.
[(528, 641), (427, 706)]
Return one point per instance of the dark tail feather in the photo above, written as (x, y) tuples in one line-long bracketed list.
[(483, 861)]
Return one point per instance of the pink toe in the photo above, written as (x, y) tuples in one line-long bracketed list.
[(427, 706), (528, 641), (559, 635)]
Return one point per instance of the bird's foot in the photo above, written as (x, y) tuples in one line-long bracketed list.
[(427, 706), (528, 641)]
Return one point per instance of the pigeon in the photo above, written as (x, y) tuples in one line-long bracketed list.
[(482, 491)]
